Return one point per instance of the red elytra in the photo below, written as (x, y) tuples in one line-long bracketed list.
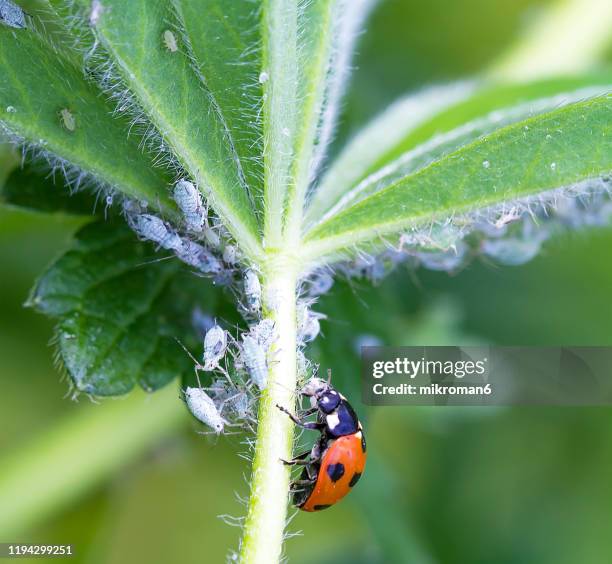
[(342, 464)]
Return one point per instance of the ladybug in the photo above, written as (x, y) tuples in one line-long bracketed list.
[(337, 460)]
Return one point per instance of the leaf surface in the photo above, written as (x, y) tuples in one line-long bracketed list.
[(548, 151), (120, 310), (419, 128), (179, 105), (38, 83)]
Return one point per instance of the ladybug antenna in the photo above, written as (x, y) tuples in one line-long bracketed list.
[(329, 370)]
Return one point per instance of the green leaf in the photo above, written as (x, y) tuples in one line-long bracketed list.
[(374, 143), (41, 191), (462, 111), (120, 310), (38, 83), (179, 106), (306, 53), (223, 38), (548, 151), (8, 159)]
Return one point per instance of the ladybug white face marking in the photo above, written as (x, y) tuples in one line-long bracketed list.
[(332, 421), (328, 401)]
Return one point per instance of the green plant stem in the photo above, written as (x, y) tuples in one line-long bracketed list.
[(79, 453), (570, 36), (265, 523)]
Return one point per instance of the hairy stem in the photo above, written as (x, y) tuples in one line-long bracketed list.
[(263, 534), (280, 66)]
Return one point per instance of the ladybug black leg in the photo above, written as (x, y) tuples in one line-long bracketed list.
[(308, 412), (299, 459), (296, 462), (303, 482), (313, 426)]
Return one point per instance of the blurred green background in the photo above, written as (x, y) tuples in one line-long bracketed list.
[(444, 485)]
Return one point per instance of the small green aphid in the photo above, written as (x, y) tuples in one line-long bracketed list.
[(170, 41), (68, 119)]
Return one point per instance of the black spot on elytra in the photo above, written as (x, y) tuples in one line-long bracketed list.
[(320, 507), (335, 471), (354, 479), (363, 443)]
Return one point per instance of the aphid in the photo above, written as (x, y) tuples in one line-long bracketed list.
[(68, 120), (131, 208), (396, 257), (230, 255), (237, 401), (264, 333), (514, 251), (96, 12), (252, 291), (303, 364), (254, 358), (197, 256), (215, 345), (170, 41), (308, 323), (377, 270), (189, 201), (507, 217), (204, 409), (311, 329), (240, 404), (212, 238), (356, 268), (337, 460), (446, 261), (12, 15), (224, 278), (320, 284), (152, 228)]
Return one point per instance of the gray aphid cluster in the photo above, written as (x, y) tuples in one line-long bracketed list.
[(247, 359), (511, 234), (201, 244)]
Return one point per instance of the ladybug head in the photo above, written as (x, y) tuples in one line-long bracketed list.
[(321, 394)]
